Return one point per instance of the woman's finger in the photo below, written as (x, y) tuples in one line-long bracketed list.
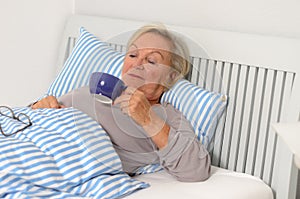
[(125, 97), (130, 90), (48, 102), (120, 99)]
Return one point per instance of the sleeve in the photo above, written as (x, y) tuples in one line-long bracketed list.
[(184, 157)]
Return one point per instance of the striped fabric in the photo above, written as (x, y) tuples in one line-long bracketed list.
[(64, 154), (201, 107), (89, 55), (151, 168)]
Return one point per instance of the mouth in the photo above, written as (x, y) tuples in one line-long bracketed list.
[(136, 76)]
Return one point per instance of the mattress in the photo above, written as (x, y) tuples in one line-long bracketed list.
[(223, 184)]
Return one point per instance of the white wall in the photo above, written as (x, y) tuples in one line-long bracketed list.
[(256, 32), (269, 17), (29, 40)]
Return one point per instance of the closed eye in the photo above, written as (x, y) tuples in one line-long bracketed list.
[(132, 55), (151, 61)]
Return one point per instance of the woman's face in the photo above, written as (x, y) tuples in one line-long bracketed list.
[(147, 64)]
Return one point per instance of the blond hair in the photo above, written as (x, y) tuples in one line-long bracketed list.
[(179, 50)]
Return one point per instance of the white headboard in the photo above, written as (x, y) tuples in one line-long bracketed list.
[(258, 96)]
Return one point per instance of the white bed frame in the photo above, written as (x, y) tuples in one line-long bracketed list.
[(258, 96)]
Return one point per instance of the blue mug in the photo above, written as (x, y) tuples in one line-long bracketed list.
[(105, 87)]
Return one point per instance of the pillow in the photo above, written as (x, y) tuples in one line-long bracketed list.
[(201, 107), (89, 55), (63, 154)]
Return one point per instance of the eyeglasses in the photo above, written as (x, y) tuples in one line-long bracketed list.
[(21, 117)]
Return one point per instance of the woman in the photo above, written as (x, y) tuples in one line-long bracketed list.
[(142, 131)]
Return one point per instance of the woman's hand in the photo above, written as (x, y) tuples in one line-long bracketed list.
[(135, 104), (47, 102)]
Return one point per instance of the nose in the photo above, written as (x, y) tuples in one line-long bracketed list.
[(139, 63)]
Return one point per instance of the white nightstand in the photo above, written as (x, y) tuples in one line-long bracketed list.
[(290, 134)]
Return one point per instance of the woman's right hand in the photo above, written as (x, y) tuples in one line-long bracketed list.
[(47, 102)]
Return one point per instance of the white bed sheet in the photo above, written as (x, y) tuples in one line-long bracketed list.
[(222, 184)]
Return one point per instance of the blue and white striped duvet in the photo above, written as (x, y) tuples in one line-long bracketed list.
[(64, 154)]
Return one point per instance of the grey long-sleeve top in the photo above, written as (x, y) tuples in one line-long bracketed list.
[(183, 157)]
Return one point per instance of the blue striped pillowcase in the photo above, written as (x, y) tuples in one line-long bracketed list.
[(201, 107), (89, 55), (64, 154)]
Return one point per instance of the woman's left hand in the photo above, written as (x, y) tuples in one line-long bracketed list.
[(135, 104)]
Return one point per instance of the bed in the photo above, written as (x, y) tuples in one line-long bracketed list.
[(247, 157)]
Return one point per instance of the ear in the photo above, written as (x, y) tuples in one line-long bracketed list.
[(172, 77)]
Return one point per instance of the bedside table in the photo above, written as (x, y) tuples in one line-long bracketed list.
[(290, 134)]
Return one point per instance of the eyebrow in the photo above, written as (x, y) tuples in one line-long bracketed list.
[(155, 51)]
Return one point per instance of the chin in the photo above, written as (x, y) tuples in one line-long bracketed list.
[(133, 83)]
